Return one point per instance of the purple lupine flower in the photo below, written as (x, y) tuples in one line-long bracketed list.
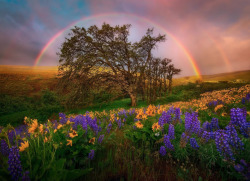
[(177, 114), (207, 135), (214, 124), (162, 151), (119, 123), (234, 140), (243, 162), (91, 154), (222, 144), (192, 124), (4, 148), (171, 131), (194, 143), (168, 143), (109, 127), (15, 167), (239, 119), (63, 119), (84, 124), (100, 138), (239, 168), (165, 118), (93, 124), (25, 176)]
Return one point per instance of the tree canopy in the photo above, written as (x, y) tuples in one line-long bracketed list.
[(105, 58)]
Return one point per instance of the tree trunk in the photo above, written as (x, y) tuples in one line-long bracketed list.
[(170, 86), (133, 99)]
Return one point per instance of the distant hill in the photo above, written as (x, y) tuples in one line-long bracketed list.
[(29, 81), (239, 76), (26, 80)]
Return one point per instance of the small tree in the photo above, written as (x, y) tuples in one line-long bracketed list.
[(93, 57), (171, 71)]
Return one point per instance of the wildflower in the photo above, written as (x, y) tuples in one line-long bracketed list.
[(222, 144), (55, 130), (192, 124), (41, 128), (45, 139), (33, 126), (69, 142), (138, 124), (171, 131), (165, 118), (68, 122), (234, 139), (23, 146), (157, 134), (4, 148), (119, 123), (193, 143), (239, 168), (218, 107), (92, 140), (91, 154), (73, 134), (59, 126), (156, 126), (15, 167), (25, 176), (162, 151), (168, 143), (100, 139), (109, 127)]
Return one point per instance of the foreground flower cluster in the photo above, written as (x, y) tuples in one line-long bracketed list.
[(78, 138)]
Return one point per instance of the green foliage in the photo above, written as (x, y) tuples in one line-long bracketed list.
[(14, 109)]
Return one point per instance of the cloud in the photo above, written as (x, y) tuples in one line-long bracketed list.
[(215, 33)]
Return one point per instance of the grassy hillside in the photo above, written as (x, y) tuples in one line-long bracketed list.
[(29, 81), (239, 76), (26, 80)]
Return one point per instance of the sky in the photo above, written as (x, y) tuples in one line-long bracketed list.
[(202, 37)]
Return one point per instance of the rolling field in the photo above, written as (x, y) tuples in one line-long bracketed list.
[(29, 81)]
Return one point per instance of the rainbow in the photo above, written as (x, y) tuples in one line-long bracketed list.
[(223, 54), (186, 52)]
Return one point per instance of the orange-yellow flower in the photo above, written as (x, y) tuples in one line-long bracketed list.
[(55, 130), (155, 126), (33, 126), (59, 126), (41, 128), (92, 140), (68, 122), (73, 134), (139, 124), (45, 139), (24, 146), (69, 142)]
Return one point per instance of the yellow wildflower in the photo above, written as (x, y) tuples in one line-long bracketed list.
[(69, 142), (139, 124), (24, 146), (92, 140), (73, 134), (41, 128), (59, 126), (55, 130), (155, 126), (45, 139), (33, 126)]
